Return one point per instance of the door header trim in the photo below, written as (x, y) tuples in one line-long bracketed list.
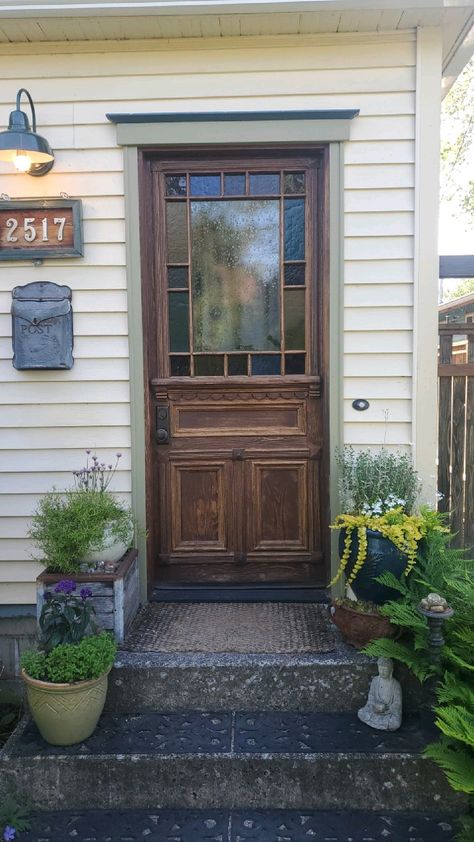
[(235, 127)]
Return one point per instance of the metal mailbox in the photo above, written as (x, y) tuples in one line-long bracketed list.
[(42, 331)]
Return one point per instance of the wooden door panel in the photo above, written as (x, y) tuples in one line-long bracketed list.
[(201, 507), (248, 418), (279, 510)]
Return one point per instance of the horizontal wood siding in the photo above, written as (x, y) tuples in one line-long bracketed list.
[(47, 419)]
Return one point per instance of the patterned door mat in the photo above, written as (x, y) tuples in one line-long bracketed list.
[(240, 627)]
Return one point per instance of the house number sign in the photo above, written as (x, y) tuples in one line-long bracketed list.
[(40, 228)]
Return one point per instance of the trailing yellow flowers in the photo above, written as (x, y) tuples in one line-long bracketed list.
[(405, 531)]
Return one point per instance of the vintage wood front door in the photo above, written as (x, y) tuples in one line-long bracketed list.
[(235, 349)]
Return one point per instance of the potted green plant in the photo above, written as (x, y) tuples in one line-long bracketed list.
[(86, 533), (84, 526), (380, 530), (66, 678)]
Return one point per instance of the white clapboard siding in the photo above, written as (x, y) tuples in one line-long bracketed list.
[(48, 418)]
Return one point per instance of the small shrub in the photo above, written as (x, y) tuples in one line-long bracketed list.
[(68, 663), (376, 481)]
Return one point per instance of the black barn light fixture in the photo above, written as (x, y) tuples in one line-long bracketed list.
[(21, 145)]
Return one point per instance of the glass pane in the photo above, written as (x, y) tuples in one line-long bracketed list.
[(294, 182), (266, 363), (295, 274), (180, 366), (295, 363), (176, 232), (175, 185), (208, 366), (294, 318), (178, 303), (234, 184), (177, 276), (264, 183), (205, 185), (237, 364), (294, 229), (235, 275)]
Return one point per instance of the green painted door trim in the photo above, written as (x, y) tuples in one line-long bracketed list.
[(234, 133), (135, 323)]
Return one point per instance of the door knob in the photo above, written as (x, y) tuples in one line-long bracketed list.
[(162, 425)]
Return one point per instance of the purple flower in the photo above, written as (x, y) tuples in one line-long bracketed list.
[(9, 833), (66, 586), (86, 593)]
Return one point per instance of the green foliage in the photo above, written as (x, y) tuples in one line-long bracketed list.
[(69, 662), (66, 617), (464, 287), (369, 478), (66, 526), (457, 139), (467, 829), (14, 814), (446, 571)]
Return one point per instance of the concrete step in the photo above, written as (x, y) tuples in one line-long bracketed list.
[(239, 826), (337, 681), (233, 760)]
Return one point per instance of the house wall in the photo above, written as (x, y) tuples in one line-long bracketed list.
[(48, 419)]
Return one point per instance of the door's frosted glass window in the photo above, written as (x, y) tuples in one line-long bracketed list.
[(294, 229), (293, 182), (237, 364), (175, 185), (180, 366), (178, 306), (177, 276), (265, 364), (235, 275), (205, 185), (176, 232), (294, 274), (234, 184), (294, 319), (208, 365), (264, 183)]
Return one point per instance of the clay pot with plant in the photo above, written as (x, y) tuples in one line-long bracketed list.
[(66, 677)]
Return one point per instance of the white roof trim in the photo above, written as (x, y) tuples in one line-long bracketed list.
[(73, 8)]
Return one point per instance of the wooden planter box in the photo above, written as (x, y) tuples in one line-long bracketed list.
[(116, 596)]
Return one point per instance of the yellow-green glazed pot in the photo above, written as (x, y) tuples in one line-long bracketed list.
[(66, 713)]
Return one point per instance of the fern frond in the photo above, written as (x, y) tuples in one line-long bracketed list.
[(456, 722), (453, 690), (456, 762), (450, 655), (466, 833), (387, 648), (390, 581)]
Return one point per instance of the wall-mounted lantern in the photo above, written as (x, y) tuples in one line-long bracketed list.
[(21, 145)]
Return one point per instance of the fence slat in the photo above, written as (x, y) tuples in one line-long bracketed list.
[(444, 443), (457, 462), (469, 495)]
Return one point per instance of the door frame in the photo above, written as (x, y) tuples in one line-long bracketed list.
[(146, 136)]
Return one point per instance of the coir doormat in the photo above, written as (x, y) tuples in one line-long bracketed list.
[(258, 627)]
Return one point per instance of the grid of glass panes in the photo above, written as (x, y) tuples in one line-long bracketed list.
[(236, 272)]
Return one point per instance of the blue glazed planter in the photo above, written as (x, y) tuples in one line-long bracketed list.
[(382, 555)]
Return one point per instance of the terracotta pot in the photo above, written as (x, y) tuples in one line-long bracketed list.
[(66, 713), (358, 628)]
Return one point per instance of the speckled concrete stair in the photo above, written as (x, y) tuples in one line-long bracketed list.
[(302, 761), (334, 681)]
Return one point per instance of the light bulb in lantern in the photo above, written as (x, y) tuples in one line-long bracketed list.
[(22, 162)]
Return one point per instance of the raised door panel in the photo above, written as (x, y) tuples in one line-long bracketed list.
[(201, 507), (278, 518)]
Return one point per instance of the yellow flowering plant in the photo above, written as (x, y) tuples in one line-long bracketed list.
[(405, 531)]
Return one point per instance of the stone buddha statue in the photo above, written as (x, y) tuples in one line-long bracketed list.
[(383, 709)]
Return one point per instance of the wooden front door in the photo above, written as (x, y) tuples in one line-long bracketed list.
[(233, 304)]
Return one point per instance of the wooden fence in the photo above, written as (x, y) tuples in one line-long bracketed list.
[(456, 428)]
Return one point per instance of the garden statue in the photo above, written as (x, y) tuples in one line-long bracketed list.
[(383, 709)]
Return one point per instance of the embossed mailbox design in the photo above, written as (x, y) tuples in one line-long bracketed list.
[(42, 332)]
